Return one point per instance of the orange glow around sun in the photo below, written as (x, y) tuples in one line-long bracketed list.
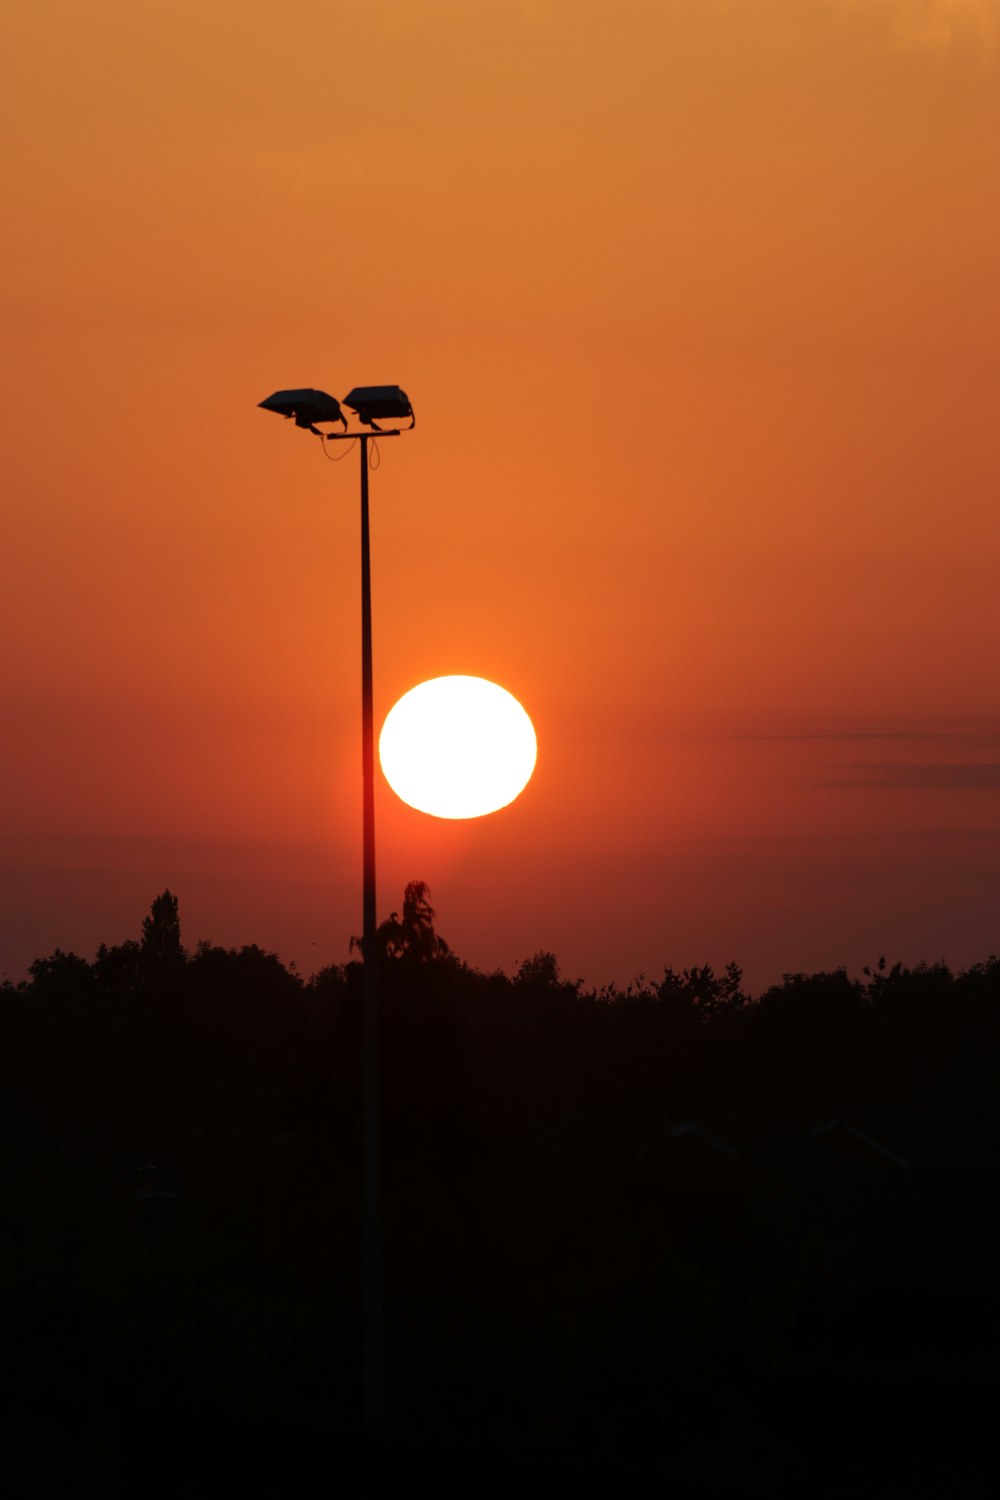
[(457, 747), (698, 310)]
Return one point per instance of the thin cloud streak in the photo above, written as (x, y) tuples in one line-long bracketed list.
[(953, 736), (932, 777)]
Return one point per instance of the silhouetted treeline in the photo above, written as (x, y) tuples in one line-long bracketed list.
[(630, 1235)]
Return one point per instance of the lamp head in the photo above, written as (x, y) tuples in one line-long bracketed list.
[(372, 402), (307, 407)]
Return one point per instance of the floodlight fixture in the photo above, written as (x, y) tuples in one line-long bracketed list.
[(374, 402), (307, 407)]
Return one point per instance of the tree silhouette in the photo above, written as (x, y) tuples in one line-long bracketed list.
[(161, 951), (119, 969), (707, 994), (409, 939), (540, 970), (60, 977)]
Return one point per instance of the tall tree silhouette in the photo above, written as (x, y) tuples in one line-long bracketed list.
[(410, 938), (160, 950)]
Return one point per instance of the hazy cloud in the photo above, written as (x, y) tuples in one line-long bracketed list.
[(934, 25), (956, 737), (933, 777), (534, 11)]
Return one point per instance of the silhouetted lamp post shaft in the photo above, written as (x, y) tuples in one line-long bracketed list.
[(369, 403), (374, 1375)]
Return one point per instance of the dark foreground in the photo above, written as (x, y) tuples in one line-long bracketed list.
[(676, 1241)]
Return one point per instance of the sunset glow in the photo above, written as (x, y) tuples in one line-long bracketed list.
[(697, 303)]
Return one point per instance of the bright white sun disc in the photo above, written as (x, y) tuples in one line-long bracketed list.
[(457, 747)]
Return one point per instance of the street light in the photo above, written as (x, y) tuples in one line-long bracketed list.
[(369, 404)]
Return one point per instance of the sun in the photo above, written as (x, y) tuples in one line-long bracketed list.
[(457, 747)]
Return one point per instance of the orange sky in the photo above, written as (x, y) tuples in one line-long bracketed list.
[(699, 309)]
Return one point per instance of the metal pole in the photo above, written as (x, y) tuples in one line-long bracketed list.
[(374, 1358)]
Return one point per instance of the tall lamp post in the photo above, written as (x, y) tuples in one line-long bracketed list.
[(370, 405)]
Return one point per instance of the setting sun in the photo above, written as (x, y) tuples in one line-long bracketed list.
[(457, 747)]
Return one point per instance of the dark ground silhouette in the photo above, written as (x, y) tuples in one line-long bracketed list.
[(667, 1239)]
